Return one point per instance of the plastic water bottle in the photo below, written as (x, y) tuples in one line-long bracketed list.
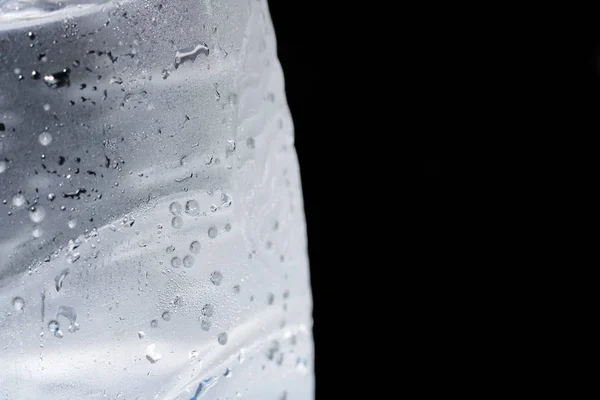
[(152, 234)]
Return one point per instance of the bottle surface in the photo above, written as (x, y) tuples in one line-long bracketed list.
[(152, 233)]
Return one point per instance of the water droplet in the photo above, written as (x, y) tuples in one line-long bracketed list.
[(53, 326), (45, 138), (190, 54), (177, 222), (222, 338), (58, 79), (176, 262), (192, 207), (208, 310), (188, 261), (250, 143), (18, 304), (216, 277), (229, 148), (70, 314), (205, 325), (212, 232), (225, 200), (37, 231), (18, 200), (241, 356), (195, 247), (37, 214), (170, 249), (2, 166), (152, 354), (141, 334), (154, 323), (166, 316), (60, 278), (175, 208)]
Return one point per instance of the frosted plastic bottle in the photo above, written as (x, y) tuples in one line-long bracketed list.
[(152, 235)]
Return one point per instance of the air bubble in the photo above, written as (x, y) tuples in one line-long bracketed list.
[(166, 316), (222, 338), (216, 278), (154, 323), (212, 232), (177, 222), (188, 261), (192, 207), (195, 247)]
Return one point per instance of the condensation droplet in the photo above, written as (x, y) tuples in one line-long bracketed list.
[(208, 310), (53, 326), (45, 138), (188, 261), (216, 278), (192, 207), (205, 325), (18, 200), (18, 304), (225, 200), (176, 262), (175, 208), (212, 232), (195, 247), (222, 338), (37, 231), (152, 354), (177, 222), (37, 214), (60, 278)]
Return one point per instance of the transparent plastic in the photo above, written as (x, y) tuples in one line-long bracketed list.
[(152, 234)]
